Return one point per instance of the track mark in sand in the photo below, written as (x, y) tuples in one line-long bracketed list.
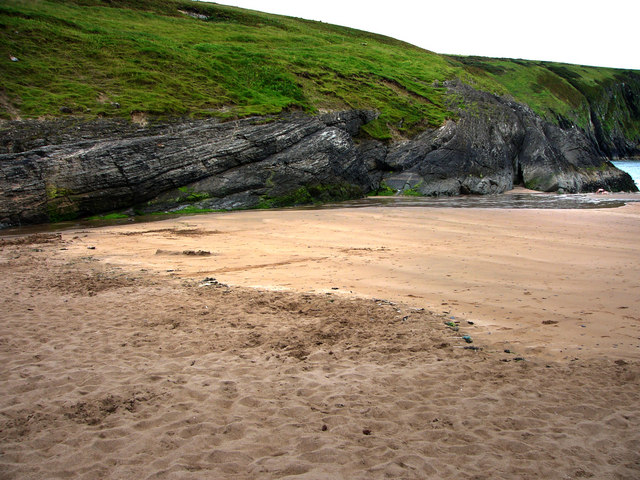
[(192, 253), (363, 250), (31, 239), (184, 232), (267, 265)]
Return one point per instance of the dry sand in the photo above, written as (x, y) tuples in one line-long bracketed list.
[(120, 361)]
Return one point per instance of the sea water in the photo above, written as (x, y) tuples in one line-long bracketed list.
[(632, 167), (512, 200)]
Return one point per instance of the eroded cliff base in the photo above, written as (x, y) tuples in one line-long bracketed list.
[(67, 168)]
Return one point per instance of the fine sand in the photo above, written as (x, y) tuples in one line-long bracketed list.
[(312, 344)]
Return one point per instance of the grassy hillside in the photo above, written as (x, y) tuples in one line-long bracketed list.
[(180, 58), (566, 92)]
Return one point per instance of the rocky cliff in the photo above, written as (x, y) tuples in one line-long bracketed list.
[(61, 173), (614, 111), (495, 144), (62, 169)]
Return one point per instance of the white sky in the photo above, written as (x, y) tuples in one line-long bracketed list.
[(602, 33)]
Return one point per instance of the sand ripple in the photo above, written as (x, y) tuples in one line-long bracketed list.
[(108, 373)]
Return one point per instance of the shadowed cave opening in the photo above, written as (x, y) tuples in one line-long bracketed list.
[(518, 175)]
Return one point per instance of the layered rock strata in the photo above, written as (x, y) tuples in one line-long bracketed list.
[(60, 169)]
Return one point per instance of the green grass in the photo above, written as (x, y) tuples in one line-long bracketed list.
[(121, 57), (313, 194), (189, 210), (558, 91), (115, 58), (383, 191), (189, 195), (411, 192), (109, 216)]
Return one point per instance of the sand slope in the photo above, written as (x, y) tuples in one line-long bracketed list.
[(578, 271), (120, 371)]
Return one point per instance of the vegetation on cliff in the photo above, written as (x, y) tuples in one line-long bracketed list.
[(126, 58), (603, 100)]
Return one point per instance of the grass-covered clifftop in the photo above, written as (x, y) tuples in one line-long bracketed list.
[(604, 101), (122, 58)]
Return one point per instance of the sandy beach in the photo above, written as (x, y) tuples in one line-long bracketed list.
[(314, 344)]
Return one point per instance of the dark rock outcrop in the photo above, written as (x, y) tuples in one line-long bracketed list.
[(66, 169), (495, 144), (233, 163)]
